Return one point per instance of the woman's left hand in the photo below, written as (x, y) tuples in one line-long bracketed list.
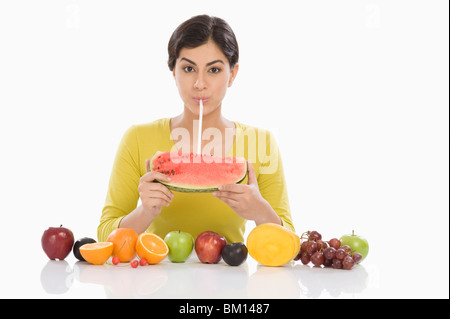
[(246, 200)]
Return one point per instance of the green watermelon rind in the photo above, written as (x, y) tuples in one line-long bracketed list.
[(191, 189)]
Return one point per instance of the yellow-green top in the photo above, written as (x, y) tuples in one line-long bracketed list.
[(192, 212)]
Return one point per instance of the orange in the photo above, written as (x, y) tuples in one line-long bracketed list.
[(151, 247), (124, 240), (97, 253)]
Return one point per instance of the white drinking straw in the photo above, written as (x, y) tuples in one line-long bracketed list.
[(200, 118)]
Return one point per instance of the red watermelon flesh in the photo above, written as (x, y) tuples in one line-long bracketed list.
[(191, 172)]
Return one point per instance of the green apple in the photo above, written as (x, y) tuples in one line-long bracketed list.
[(180, 246), (358, 244)]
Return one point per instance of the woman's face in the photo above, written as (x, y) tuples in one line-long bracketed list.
[(203, 73)]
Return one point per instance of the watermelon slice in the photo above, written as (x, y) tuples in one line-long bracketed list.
[(193, 173)]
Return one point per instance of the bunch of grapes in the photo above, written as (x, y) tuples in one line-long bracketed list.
[(327, 253)]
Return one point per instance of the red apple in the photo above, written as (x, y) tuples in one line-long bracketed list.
[(208, 247), (57, 242)]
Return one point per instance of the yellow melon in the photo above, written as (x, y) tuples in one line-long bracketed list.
[(272, 244)]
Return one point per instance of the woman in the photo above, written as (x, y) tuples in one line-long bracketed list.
[(203, 56)]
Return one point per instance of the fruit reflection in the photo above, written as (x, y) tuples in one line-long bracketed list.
[(274, 283), (121, 282), (56, 277)]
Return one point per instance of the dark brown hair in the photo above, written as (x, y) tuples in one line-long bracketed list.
[(197, 31)]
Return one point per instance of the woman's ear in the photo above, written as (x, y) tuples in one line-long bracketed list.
[(173, 73), (233, 74)]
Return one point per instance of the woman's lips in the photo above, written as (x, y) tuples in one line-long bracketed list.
[(198, 99)]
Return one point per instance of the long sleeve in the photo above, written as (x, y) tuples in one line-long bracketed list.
[(271, 181), (122, 195)]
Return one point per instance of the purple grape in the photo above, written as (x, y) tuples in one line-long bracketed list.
[(348, 262), (329, 253), (321, 245), (357, 257), (305, 259), (314, 235), (335, 243), (347, 249), (304, 245), (317, 259), (337, 263), (311, 248), (328, 262), (340, 254)]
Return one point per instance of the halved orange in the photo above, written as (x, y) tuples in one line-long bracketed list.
[(97, 253), (151, 247)]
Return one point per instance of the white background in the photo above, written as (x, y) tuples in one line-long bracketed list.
[(355, 91)]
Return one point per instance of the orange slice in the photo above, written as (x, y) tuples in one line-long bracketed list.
[(97, 253), (151, 247)]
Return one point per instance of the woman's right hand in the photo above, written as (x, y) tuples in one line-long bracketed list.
[(154, 195)]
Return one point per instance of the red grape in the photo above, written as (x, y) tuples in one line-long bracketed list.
[(347, 249), (304, 245), (357, 257), (340, 253), (305, 259), (317, 258), (312, 247), (329, 253), (321, 245), (314, 235), (335, 243), (328, 262), (337, 263), (348, 262)]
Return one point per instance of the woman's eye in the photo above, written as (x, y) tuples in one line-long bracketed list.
[(214, 70), (188, 69)]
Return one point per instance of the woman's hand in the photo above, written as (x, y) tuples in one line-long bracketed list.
[(154, 195), (247, 201)]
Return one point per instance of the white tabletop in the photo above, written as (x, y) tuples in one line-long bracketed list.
[(193, 279), (70, 278), (33, 275)]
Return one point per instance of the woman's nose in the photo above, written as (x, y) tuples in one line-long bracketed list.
[(200, 83)]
